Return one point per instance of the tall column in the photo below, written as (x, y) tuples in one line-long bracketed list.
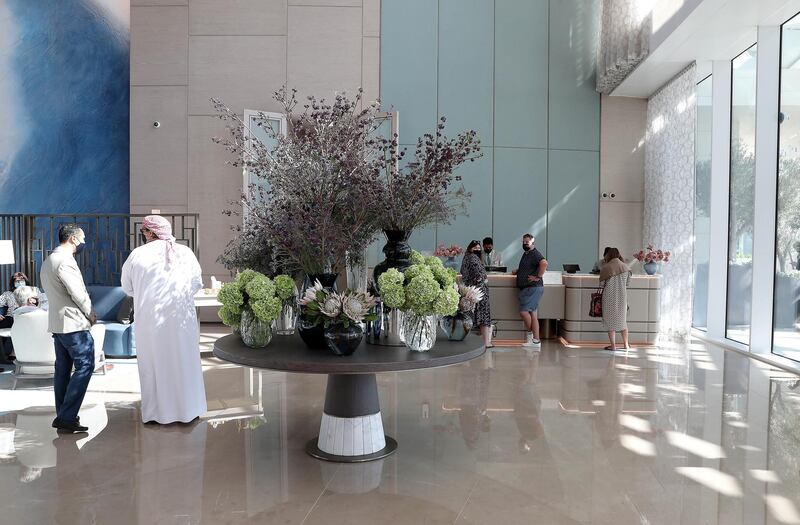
[(766, 186), (720, 183)]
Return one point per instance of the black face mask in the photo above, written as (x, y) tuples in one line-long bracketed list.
[(80, 248), (526, 247), (144, 239), (488, 250), (476, 252)]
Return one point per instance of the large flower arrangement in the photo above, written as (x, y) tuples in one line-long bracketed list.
[(256, 292), (322, 181), (426, 189), (652, 255), (426, 287), (331, 308)]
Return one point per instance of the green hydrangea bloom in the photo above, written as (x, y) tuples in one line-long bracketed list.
[(266, 310), (260, 287), (447, 302), (417, 258), (390, 277), (230, 317), (421, 291), (444, 276), (245, 277), (284, 287), (433, 261), (231, 296), (393, 295), (418, 270)]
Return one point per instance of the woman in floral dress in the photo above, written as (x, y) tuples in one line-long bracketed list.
[(473, 273)]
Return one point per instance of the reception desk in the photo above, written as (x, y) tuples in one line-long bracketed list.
[(644, 295), (566, 298), (504, 301)]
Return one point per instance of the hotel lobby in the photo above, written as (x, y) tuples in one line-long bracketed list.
[(400, 261)]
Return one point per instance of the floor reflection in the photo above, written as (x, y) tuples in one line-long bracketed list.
[(681, 434)]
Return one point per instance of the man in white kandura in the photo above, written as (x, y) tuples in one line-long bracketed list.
[(163, 276)]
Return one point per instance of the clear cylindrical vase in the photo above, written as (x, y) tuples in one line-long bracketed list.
[(286, 323), (419, 331)]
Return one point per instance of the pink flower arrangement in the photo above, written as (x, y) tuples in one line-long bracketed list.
[(452, 251), (651, 254)]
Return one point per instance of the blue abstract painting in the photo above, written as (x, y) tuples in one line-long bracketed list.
[(64, 106)]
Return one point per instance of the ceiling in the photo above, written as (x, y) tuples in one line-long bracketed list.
[(702, 31)]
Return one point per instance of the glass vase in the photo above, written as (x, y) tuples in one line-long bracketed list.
[(286, 323), (451, 262), (255, 332), (312, 333), (343, 340), (456, 327), (419, 331)]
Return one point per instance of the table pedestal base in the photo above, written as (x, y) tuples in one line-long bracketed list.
[(351, 430)]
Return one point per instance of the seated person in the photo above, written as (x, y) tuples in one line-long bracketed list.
[(18, 280), (490, 257), (27, 297), (599, 263)]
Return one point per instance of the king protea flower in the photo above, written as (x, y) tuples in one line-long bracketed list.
[(310, 294), (332, 306), (470, 296), (357, 305)]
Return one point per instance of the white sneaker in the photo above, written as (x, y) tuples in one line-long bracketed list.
[(536, 343), (528, 341)]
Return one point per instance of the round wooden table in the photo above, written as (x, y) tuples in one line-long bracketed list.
[(352, 428)]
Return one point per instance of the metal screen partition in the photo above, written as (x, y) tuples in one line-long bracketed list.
[(110, 239)]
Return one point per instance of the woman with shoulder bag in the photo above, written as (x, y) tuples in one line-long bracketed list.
[(615, 276)]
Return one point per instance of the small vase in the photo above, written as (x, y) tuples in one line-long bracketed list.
[(343, 340), (418, 331), (312, 333), (386, 329), (397, 251), (651, 268), (451, 262), (255, 332), (456, 327), (286, 323)]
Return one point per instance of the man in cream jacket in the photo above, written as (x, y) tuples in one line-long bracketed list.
[(70, 318)]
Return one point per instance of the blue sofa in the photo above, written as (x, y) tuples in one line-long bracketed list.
[(106, 301)]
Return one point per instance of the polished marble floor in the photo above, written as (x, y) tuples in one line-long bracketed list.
[(676, 435)]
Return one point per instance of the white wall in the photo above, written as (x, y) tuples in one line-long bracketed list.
[(183, 52), (623, 124)]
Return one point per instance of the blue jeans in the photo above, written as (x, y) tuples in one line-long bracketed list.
[(73, 349)]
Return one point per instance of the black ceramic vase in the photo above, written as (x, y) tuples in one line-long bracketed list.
[(397, 252), (313, 334), (343, 341)]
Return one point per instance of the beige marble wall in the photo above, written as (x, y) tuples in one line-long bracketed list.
[(185, 52), (623, 124)]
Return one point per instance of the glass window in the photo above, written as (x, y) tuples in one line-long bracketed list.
[(786, 318), (702, 203), (741, 205)]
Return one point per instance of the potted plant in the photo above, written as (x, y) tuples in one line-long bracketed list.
[(650, 258), (423, 191), (458, 326), (340, 314), (322, 183), (425, 291), (250, 305), (449, 253)]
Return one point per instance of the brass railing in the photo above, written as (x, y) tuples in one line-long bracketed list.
[(110, 239)]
